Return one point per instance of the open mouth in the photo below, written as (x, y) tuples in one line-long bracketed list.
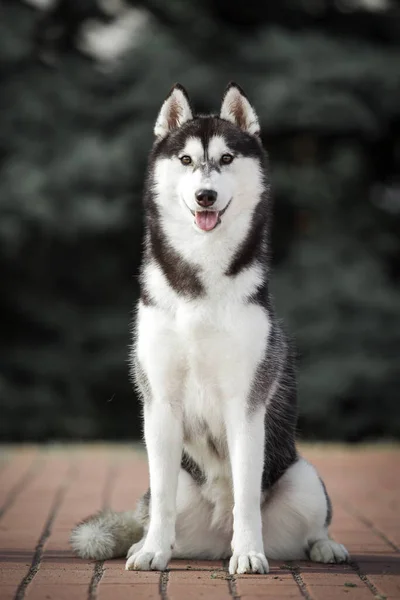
[(207, 220)]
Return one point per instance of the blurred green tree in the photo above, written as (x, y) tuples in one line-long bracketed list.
[(75, 131)]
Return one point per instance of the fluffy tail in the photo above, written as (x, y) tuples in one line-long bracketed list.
[(105, 535)]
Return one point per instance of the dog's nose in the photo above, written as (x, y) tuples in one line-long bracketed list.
[(206, 197)]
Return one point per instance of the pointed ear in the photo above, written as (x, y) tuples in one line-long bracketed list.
[(238, 110), (175, 111)]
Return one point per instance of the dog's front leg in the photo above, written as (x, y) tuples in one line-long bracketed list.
[(163, 435), (245, 432)]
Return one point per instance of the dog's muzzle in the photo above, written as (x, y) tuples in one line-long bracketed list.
[(205, 219)]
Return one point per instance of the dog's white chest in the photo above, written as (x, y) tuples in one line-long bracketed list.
[(223, 347), (204, 355)]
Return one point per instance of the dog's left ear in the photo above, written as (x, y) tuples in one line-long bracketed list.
[(175, 111), (237, 109)]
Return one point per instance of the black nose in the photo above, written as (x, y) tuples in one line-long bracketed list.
[(206, 197)]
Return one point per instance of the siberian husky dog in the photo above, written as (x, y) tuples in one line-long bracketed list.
[(213, 365)]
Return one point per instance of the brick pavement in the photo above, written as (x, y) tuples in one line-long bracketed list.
[(45, 491)]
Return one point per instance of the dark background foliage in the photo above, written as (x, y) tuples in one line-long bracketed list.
[(75, 129)]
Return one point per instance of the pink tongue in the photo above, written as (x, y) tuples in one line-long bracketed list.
[(206, 219)]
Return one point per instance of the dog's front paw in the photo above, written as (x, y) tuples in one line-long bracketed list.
[(251, 562), (134, 549), (148, 560)]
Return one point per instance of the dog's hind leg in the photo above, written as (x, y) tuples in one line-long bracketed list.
[(296, 517)]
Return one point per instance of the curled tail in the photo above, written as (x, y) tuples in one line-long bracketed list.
[(105, 535)]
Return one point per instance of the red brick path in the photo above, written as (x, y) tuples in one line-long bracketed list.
[(44, 492)]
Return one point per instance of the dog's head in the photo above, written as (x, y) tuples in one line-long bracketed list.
[(207, 169)]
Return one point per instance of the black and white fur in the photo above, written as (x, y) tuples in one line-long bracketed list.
[(213, 365)]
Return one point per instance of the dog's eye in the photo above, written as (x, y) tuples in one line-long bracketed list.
[(226, 159), (186, 160)]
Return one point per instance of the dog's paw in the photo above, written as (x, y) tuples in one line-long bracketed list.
[(135, 547), (148, 560), (252, 562), (328, 551)]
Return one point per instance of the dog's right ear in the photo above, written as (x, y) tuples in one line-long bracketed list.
[(175, 111)]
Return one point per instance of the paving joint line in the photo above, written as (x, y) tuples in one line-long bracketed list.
[(356, 567), (296, 574), (98, 570), (38, 554), (197, 569), (372, 527), (231, 579), (20, 485), (163, 585), (98, 573), (360, 517)]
